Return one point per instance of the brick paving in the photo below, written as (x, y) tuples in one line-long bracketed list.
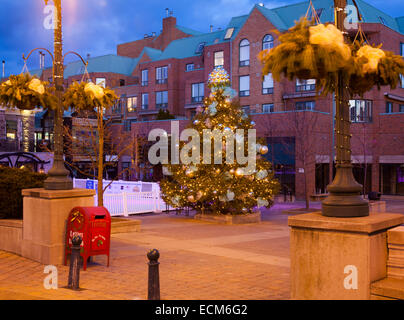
[(199, 261)]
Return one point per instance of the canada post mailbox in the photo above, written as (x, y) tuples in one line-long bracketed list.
[(93, 225)]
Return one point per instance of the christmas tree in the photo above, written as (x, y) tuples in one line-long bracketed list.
[(222, 169)]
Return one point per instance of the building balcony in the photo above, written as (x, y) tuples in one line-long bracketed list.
[(162, 81)]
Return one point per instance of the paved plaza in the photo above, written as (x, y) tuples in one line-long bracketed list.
[(198, 261)]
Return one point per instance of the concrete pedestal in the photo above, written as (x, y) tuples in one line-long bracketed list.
[(44, 223), (329, 254)]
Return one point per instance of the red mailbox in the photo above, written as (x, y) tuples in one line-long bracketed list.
[(93, 224)]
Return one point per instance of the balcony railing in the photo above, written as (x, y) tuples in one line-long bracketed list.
[(145, 83), (161, 105), (267, 90), (305, 87), (197, 99), (244, 93), (161, 81)]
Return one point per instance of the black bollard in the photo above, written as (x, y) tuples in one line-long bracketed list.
[(154, 280), (74, 270)]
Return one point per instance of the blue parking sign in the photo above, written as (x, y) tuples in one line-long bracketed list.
[(90, 184)]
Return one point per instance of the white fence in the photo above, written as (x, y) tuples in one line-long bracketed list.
[(122, 203)]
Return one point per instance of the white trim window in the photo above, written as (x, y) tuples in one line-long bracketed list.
[(145, 101), (268, 108), (360, 111), (219, 59), (244, 86), (244, 53), (267, 42), (197, 93), (268, 84), (145, 77), (161, 75), (161, 99)]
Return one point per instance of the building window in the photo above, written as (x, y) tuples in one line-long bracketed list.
[(401, 108), (145, 101), (244, 53), (161, 99), (229, 33), (389, 107), (306, 105), (117, 108), (11, 129), (100, 82), (189, 67), (402, 54), (244, 86), (246, 110), (161, 75), (219, 59), (197, 92), (268, 108), (305, 85), (131, 104), (127, 125), (122, 82), (200, 47), (268, 84), (145, 77), (268, 42), (360, 111)]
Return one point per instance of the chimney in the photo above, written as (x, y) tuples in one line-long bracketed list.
[(167, 12), (211, 28), (4, 70)]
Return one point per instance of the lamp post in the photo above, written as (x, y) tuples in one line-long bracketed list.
[(344, 198), (58, 175)]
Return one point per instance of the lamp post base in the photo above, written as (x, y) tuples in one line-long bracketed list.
[(58, 183), (345, 199)]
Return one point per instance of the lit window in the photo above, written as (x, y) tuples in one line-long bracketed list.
[(244, 53), (219, 58), (268, 84), (267, 42), (131, 104), (229, 33), (244, 86), (100, 82)]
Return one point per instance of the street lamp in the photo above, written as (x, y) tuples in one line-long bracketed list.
[(344, 198)]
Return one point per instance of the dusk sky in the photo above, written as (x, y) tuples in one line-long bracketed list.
[(96, 26)]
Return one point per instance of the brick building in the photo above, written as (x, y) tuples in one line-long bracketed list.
[(169, 71)]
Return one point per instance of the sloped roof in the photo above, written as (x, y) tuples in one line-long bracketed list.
[(186, 47), (284, 17), (188, 30), (108, 63), (153, 54), (400, 23)]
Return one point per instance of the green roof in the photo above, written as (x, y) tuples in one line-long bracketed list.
[(284, 17), (153, 54), (187, 47), (400, 23), (188, 30), (108, 63)]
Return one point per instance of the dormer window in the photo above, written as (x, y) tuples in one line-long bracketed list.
[(229, 33), (200, 47)]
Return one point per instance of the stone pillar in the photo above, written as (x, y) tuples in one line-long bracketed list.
[(44, 222), (328, 255)]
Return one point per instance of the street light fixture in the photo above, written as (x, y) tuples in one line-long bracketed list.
[(345, 199), (58, 175)]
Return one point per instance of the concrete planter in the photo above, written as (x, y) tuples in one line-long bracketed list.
[(229, 219), (11, 236), (122, 225)]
